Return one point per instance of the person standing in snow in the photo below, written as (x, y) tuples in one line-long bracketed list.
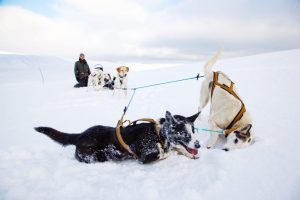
[(82, 71)]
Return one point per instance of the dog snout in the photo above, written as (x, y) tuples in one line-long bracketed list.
[(197, 144)]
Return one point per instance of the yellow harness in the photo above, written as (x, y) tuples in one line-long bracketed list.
[(119, 138), (230, 90)]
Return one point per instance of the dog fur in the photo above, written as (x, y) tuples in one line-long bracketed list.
[(121, 81), (98, 79), (224, 107), (98, 144)]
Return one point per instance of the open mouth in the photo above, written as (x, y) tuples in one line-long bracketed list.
[(190, 150)]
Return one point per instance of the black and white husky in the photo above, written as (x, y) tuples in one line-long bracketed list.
[(97, 79), (98, 144)]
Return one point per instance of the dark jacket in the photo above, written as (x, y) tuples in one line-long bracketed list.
[(81, 70)]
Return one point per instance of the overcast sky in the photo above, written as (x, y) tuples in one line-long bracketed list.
[(148, 30)]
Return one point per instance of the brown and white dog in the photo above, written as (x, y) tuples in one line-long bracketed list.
[(227, 111), (121, 81)]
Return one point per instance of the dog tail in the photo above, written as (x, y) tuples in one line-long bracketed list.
[(209, 64), (59, 137)]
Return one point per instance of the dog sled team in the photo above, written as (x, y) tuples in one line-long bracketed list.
[(98, 79), (149, 140)]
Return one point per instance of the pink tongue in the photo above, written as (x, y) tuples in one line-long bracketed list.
[(192, 151)]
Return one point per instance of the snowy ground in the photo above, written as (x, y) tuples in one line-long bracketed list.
[(34, 167)]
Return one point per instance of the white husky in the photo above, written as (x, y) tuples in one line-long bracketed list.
[(227, 111)]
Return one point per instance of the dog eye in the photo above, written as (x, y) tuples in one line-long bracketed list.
[(182, 133), (235, 141), (179, 127)]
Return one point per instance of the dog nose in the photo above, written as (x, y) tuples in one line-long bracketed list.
[(197, 144), (225, 149)]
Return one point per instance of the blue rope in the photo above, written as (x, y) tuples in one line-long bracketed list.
[(126, 108), (162, 83), (167, 82), (209, 130)]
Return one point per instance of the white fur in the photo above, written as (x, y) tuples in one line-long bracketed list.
[(224, 107), (180, 149), (162, 155), (191, 144), (121, 81), (193, 140), (230, 144), (96, 79)]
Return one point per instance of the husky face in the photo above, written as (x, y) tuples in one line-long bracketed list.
[(240, 138), (107, 78), (180, 134), (98, 72)]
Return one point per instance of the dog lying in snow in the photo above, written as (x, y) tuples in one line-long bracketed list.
[(97, 79), (227, 111), (99, 144)]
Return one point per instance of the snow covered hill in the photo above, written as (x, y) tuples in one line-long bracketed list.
[(34, 167)]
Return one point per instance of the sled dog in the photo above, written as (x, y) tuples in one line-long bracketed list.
[(148, 141), (121, 80), (227, 111), (96, 78)]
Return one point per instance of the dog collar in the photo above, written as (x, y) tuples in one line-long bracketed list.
[(123, 76)]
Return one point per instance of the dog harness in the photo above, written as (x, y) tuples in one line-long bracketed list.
[(118, 136), (230, 90)]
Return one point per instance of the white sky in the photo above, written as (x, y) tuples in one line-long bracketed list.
[(151, 31)]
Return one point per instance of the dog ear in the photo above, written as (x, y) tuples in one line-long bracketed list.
[(193, 117), (127, 69), (118, 69), (246, 128), (169, 117)]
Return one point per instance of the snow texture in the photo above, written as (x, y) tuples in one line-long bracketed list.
[(34, 167)]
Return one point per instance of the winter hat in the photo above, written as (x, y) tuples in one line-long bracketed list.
[(81, 54)]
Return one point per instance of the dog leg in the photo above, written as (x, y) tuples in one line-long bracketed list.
[(112, 153), (213, 138), (125, 86), (162, 155), (101, 81), (204, 96), (117, 86)]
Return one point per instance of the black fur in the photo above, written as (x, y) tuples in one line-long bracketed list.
[(110, 84), (99, 144)]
